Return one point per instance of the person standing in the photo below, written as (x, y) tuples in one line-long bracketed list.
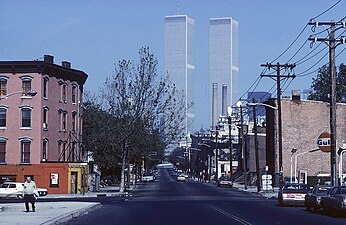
[(28, 193)]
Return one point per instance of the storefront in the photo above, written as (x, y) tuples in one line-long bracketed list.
[(57, 178)]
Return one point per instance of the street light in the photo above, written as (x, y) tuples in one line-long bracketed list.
[(296, 158), (29, 92), (294, 150), (262, 104)]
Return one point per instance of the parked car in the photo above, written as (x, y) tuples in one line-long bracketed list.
[(313, 198), (15, 190), (335, 201), (181, 178), (148, 177), (293, 194), (225, 181)]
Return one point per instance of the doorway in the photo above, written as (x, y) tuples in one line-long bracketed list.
[(73, 182)]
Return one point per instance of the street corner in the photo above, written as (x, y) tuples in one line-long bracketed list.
[(84, 208)]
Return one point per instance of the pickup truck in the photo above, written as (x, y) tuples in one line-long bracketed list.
[(335, 201)]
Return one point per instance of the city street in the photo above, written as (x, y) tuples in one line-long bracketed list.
[(167, 202)]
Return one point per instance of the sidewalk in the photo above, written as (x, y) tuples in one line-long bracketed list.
[(55, 212), (273, 194)]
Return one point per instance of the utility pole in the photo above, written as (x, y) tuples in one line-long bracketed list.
[(216, 157), (243, 146), (230, 145), (332, 42), (256, 147), (279, 77)]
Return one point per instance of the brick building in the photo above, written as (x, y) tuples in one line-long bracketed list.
[(302, 123), (41, 135)]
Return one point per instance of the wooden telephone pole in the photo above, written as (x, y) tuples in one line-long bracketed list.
[(279, 77), (332, 42)]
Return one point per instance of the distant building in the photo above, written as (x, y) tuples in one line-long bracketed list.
[(223, 65), (179, 60), (40, 136)]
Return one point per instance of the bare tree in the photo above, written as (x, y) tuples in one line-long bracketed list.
[(136, 94)]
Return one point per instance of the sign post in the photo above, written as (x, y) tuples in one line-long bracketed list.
[(267, 183)]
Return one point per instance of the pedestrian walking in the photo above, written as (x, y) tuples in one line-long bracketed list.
[(28, 193)]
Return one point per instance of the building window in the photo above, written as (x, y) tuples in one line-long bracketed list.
[(45, 118), (25, 151), (45, 87), (26, 86), (63, 93), (64, 114), (26, 117), (3, 113), (3, 87), (64, 151), (74, 90), (2, 151), (44, 149), (74, 121)]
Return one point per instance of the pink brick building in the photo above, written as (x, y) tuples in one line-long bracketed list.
[(41, 135)]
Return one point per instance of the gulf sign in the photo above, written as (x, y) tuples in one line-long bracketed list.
[(323, 142)]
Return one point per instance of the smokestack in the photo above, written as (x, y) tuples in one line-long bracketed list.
[(224, 100), (214, 104)]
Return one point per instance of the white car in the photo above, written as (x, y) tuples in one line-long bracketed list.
[(148, 177), (15, 190), (181, 178)]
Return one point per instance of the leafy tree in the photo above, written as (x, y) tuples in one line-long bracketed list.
[(142, 103), (97, 137), (321, 85)]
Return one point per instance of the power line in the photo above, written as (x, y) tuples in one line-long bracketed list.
[(293, 42), (301, 32), (326, 10)]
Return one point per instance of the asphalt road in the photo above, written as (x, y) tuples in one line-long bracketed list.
[(167, 202)]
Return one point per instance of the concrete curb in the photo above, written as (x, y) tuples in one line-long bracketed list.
[(73, 214)]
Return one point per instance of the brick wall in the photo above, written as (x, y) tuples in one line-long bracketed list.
[(302, 123)]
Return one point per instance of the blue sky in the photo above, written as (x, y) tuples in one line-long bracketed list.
[(93, 35)]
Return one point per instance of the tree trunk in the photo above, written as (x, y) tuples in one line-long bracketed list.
[(123, 166), (128, 173)]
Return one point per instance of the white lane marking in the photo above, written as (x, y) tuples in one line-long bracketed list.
[(229, 215)]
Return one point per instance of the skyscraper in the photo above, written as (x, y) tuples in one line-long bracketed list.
[(179, 59), (223, 65)]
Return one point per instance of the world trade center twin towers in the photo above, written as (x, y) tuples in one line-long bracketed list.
[(223, 63)]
